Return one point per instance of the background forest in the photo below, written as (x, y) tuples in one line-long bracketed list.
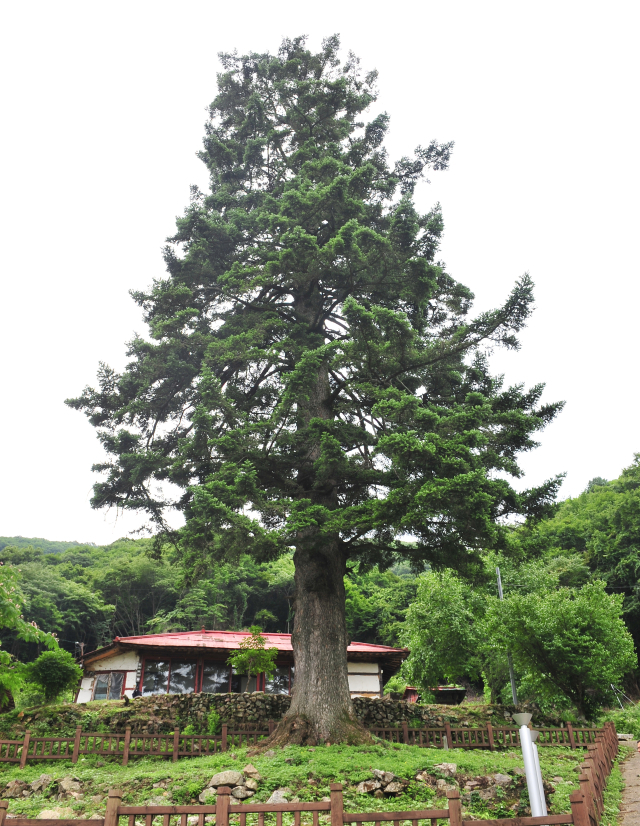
[(587, 554)]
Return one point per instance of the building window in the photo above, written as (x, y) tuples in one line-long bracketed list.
[(215, 678), (280, 681), (183, 678), (169, 677), (108, 685), (180, 677)]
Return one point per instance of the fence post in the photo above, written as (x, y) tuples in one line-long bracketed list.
[(447, 729), (455, 808), (572, 739), (490, 736), (579, 809), (222, 806), (4, 804), (223, 744), (272, 727), (337, 804), (25, 749), (113, 802), (127, 743), (405, 732), (176, 744), (76, 745)]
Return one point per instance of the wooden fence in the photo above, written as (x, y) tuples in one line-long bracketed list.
[(176, 745), (587, 805), (489, 737)]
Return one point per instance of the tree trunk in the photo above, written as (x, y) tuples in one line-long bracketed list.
[(321, 708)]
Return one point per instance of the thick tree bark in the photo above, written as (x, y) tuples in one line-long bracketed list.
[(321, 709)]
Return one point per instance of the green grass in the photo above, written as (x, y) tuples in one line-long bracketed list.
[(308, 773)]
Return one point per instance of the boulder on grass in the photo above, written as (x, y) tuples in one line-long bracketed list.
[(15, 788), (383, 777), (227, 778), (242, 793), (367, 786), (280, 795), (448, 769)]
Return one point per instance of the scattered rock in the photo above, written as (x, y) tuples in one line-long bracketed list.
[(15, 788), (558, 779), (227, 778), (251, 783), (394, 787), (271, 753), (367, 786), (383, 777), (55, 814), (281, 795), (251, 771), (378, 793), (519, 770), (242, 792), (448, 769), (207, 797), (97, 799), (69, 786), (502, 779), (41, 783)]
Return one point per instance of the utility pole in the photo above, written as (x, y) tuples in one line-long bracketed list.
[(511, 674)]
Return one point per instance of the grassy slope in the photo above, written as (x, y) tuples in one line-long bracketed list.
[(308, 775)]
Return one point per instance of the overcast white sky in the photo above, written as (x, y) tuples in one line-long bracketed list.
[(103, 109)]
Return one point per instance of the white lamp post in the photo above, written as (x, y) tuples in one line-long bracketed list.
[(533, 786), (534, 737)]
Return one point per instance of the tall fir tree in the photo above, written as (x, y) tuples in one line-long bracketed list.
[(313, 379)]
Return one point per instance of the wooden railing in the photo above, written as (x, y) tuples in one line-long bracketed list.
[(587, 805), (176, 745), (489, 737), (124, 746)]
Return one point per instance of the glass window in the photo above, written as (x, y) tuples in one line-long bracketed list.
[(108, 685), (101, 690), (183, 678), (236, 680), (156, 677), (243, 683), (115, 687), (278, 682), (215, 678)]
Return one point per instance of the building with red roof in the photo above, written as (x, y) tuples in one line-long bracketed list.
[(192, 661)]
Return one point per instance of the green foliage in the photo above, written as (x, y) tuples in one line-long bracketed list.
[(54, 672), (12, 604), (626, 719), (442, 631), (571, 644), (252, 657), (214, 722), (601, 528), (311, 368)]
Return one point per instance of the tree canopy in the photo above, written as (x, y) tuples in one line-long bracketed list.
[(313, 377)]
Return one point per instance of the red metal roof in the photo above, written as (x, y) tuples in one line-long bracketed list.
[(232, 639)]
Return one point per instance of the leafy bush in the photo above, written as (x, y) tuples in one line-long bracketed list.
[(626, 720), (54, 672), (214, 723)]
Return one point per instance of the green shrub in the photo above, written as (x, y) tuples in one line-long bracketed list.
[(54, 672), (214, 723), (626, 720)]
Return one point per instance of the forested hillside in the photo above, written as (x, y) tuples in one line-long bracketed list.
[(90, 594)]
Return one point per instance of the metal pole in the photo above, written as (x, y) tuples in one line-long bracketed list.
[(512, 677), (536, 760), (533, 786)]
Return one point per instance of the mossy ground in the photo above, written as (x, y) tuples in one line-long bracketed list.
[(308, 772)]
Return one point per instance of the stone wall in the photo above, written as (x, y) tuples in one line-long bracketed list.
[(253, 711)]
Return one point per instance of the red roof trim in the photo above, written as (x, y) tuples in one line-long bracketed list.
[(231, 640)]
